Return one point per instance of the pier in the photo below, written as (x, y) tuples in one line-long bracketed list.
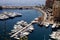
[(7, 15), (23, 29), (16, 7)]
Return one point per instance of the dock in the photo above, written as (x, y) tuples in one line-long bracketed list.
[(22, 28), (17, 7), (55, 35), (7, 15)]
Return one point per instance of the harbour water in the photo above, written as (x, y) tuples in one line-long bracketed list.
[(39, 33)]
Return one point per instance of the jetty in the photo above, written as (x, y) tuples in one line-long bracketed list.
[(16, 7), (22, 29), (7, 15)]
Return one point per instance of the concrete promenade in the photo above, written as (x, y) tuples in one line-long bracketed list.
[(43, 13)]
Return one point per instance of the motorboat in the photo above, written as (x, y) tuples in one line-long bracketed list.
[(2, 16), (54, 25)]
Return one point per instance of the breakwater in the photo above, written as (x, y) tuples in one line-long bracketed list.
[(16, 7)]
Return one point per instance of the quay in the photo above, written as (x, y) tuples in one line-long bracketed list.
[(43, 13), (47, 18)]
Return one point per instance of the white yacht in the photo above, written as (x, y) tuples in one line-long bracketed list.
[(46, 24), (54, 25), (53, 35), (16, 28), (31, 27), (19, 14), (36, 19), (12, 14), (20, 22), (2, 16)]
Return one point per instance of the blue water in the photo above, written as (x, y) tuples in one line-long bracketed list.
[(39, 33)]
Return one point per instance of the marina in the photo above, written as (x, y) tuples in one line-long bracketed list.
[(30, 20), (2, 16), (56, 35), (7, 15), (21, 29), (37, 33)]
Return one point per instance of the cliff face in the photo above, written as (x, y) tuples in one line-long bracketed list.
[(49, 3), (56, 11)]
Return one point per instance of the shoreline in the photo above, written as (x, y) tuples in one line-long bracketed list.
[(44, 15)]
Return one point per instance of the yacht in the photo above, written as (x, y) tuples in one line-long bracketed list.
[(54, 25), (12, 14), (46, 24), (21, 29), (2, 17)]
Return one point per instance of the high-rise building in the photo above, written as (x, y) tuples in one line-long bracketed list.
[(56, 11)]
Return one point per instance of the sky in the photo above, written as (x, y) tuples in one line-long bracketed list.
[(21, 2)]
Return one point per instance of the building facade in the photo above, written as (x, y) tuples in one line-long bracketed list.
[(56, 11)]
